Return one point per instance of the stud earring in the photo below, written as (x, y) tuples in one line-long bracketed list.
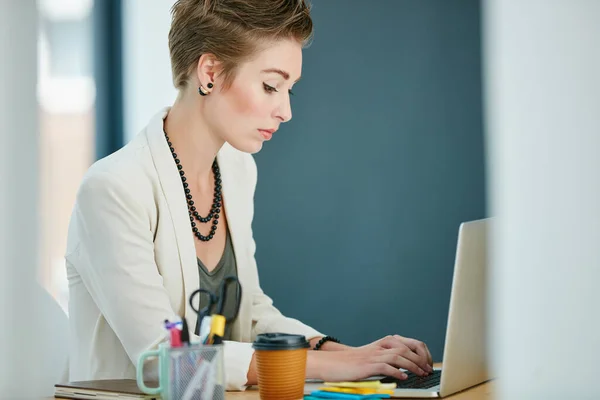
[(204, 92)]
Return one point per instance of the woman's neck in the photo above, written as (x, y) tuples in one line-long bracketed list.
[(195, 144)]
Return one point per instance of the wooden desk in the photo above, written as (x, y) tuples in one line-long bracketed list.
[(485, 391), (479, 392)]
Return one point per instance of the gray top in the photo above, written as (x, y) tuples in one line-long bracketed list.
[(211, 281)]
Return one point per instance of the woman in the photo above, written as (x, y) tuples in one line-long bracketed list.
[(172, 210)]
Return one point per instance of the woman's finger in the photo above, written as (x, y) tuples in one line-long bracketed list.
[(429, 358), (418, 347), (400, 362), (407, 353), (386, 370)]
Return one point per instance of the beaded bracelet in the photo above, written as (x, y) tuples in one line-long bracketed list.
[(325, 339)]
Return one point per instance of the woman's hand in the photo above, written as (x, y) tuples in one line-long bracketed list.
[(413, 350), (382, 357)]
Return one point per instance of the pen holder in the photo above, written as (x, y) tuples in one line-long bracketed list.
[(194, 372)]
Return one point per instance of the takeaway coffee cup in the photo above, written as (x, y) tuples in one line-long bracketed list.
[(281, 365)]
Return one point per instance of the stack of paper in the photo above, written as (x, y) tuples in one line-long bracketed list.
[(110, 389), (353, 390)]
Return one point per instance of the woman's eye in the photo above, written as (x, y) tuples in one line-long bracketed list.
[(269, 89)]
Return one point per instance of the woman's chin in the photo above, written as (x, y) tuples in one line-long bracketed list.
[(248, 146)]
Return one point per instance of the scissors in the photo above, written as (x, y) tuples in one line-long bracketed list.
[(216, 302)]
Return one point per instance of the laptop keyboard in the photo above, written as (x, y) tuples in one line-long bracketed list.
[(415, 381)]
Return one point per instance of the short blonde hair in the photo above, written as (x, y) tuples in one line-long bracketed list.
[(232, 30)]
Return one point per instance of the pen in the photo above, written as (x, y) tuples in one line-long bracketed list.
[(175, 337), (217, 329), (174, 333), (185, 333), (169, 325), (205, 329)]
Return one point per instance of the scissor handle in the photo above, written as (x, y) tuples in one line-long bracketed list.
[(206, 310), (227, 282)]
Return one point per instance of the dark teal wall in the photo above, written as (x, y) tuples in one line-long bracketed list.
[(360, 196)]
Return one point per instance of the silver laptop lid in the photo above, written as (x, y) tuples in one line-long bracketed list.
[(465, 350)]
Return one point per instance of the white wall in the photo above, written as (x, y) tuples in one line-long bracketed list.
[(33, 333), (543, 113), (147, 69)]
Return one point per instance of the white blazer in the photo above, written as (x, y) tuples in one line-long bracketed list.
[(131, 260)]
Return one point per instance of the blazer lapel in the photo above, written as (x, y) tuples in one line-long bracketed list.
[(175, 196)]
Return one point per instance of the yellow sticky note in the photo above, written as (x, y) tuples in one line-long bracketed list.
[(348, 390), (362, 384), (355, 390)]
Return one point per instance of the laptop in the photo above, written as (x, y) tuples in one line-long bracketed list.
[(465, 361)]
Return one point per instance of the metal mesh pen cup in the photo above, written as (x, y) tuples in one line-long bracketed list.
[(194, 372)]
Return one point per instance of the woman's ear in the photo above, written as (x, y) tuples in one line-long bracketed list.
[(207, 69)]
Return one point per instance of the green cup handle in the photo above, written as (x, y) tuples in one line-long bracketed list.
[(140, 372)]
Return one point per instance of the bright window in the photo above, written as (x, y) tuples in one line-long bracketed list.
[(66, 94)]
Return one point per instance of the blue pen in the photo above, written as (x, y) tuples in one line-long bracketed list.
[(169, 325)]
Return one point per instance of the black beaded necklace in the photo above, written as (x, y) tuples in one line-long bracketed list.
[(192, 212)]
